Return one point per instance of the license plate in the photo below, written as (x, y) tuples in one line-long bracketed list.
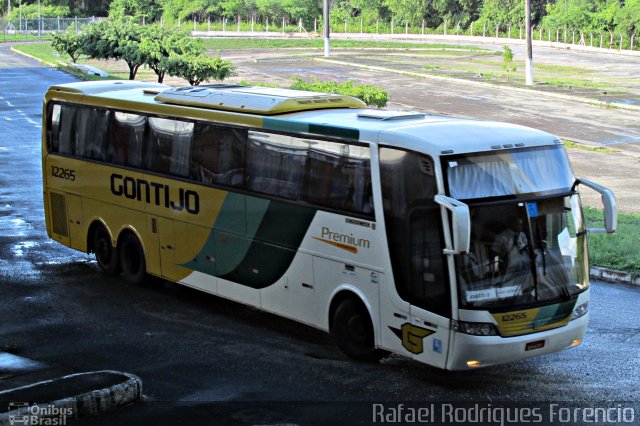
[(534, 345)]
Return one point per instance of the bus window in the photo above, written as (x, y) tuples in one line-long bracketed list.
[(217, 155), (414, 230), (68, 130), (91, 128), (53, 130), (276, 164), (339, 177), (126, 133), (168, 146)]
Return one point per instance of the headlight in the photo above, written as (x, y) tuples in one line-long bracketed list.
[(475, 328), (580, 310)]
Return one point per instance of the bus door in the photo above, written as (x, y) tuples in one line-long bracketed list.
[(167, 248), (415, 240), (427, 289), (77, 233)]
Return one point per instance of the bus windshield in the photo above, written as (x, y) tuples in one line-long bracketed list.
[(524, 253), (540, 170)]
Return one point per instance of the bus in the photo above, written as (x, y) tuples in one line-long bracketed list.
[(454, 242)]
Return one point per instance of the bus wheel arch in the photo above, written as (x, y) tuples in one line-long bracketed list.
[(132, 258), (99, 242), (351, 327)]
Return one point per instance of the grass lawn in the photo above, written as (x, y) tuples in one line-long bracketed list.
[(616, 251), (318, 43)]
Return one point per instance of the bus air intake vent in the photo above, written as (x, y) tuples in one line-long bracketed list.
[(59, 214), (426, 167)]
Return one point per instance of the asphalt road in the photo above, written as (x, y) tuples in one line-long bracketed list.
[(205, 358)]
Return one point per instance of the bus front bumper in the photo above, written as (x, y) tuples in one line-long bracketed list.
[(468, 352)]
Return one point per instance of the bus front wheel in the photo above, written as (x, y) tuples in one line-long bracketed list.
[(352, 331), (106, 253), (134, 268)]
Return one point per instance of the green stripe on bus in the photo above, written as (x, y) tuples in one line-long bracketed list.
[(254, 240), (553, 313), (281, 125), (275, 245), (231, 238)]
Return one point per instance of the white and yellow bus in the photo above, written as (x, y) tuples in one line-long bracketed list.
[(455, 242)]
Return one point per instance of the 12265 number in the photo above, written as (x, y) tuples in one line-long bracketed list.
[(62, 173)]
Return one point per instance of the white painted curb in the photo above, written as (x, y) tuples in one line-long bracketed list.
[(613, 276), (83, 405)]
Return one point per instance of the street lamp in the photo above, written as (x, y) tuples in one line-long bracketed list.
[(529, 58), (325, 18)]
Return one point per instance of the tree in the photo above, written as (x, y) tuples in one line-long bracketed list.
[(68, 43), (413, 11), (200, 68), (115, 39), (30, 11), (627, 18), (149, 10), (271, 9), (507, 59), (585, 15), (158, 43)]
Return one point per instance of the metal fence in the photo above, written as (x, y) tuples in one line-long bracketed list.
[(37, 28), (21, 29)]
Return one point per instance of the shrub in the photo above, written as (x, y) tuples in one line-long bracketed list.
[(369, 94)]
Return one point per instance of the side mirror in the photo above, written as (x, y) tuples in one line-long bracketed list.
[(461, 224), (610, 207)]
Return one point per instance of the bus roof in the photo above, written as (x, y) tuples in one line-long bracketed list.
[(307, 112), (430, 133)]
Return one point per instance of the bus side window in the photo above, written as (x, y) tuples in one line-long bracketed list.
[(339, 177), (126, 133), (414, 229), (168, 146), (92, 126), (68, 130), (217, 155), (276, 164), (53, 129)]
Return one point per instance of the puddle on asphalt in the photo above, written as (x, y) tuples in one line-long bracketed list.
[(14, 364), (19, 250), (13, 227), (625, 101)]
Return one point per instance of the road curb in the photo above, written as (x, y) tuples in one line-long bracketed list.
[(49, 401), (594, 102), (613, 276), (42, 61)]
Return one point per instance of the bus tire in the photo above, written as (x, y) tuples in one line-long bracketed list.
[(352, 331), (132, 260), (106, 253)]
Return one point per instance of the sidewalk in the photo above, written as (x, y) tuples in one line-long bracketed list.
[(32, 392)]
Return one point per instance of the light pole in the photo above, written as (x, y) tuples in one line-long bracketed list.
[(529, 59), (325, 19), (39, 21)]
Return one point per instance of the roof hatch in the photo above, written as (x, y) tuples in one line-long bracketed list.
[(254, 99), (386, 115)]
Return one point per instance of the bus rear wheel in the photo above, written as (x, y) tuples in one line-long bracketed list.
[(106, 253), (132, 261), (352, 330)]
